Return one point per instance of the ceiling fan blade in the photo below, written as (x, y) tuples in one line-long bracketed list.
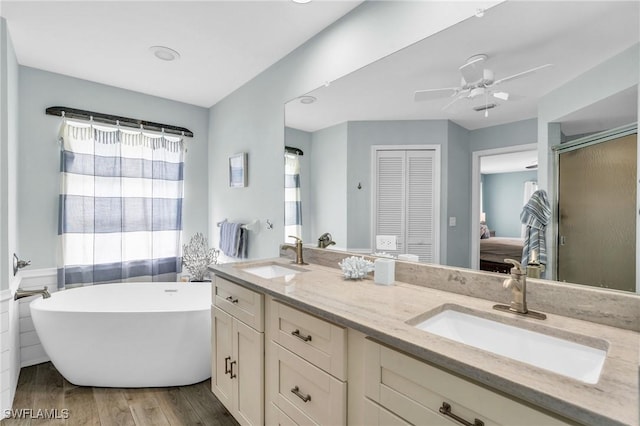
[(501, 95), (521, 74), (453, 101), (430, 94)]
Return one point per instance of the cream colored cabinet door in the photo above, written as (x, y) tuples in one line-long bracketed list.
[(221, 354), (247, 371), (237, 375)]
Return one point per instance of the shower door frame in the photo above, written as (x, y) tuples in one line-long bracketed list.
[(583, 142)]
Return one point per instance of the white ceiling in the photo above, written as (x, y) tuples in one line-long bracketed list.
[(507, 163), (574, 36), (223, 44)]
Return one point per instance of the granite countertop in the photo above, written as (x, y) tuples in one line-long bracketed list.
[(382, 311)]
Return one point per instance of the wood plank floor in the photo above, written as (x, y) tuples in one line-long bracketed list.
[(41, 387)]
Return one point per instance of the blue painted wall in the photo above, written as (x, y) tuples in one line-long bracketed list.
[(502, 200)]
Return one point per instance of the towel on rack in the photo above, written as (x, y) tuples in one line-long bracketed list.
[(233, 239)]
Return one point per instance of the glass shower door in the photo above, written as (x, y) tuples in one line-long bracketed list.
[(597, 214)]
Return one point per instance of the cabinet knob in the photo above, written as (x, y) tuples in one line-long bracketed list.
[(232, 300)]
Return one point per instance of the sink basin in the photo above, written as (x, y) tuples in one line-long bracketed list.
[(271, 270), (565, 357)]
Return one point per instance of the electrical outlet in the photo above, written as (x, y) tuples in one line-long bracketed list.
[(386, 242)]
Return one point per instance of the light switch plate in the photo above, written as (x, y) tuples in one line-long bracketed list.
[(452, 221)]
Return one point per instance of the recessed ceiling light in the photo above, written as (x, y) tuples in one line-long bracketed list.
[(307, 99), (164, 53), (301, 1)]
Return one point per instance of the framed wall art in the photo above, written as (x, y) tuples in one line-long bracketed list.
[(238, 170)]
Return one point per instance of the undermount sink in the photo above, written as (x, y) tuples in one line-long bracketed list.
[(583, 362), (271, 270)]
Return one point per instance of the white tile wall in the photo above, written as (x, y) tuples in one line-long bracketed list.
[(31, 351), (9, 335), (19, 343)]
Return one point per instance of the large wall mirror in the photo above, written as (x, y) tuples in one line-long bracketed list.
[(466, 145)]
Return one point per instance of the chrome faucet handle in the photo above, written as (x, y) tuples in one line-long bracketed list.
[(517, 267), (298, 239)]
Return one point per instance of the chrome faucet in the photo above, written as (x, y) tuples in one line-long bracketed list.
[(518, 285), (325, 240), (298, 250), (517, 282), (20, 293)]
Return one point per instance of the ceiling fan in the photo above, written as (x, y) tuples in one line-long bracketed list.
[(475, 81)]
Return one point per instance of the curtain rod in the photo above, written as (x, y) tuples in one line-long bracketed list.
[(292, 150), (114, 119)]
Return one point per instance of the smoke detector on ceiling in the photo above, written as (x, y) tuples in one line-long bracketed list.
[(164, 53)]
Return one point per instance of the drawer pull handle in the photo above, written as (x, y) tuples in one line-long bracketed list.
[(232, 300), (231, 370), (300, 336), (446, 410), (296, 392), (226, 365)]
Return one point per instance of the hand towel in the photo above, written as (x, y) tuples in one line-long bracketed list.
[(233, 239), (536, 215)]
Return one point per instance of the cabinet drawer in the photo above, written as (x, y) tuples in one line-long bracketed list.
[(278, 418), (320, 342), (375, 415), (305, 393), (244, 304), (415, 390)]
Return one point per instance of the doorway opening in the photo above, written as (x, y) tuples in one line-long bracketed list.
[(499, 204)]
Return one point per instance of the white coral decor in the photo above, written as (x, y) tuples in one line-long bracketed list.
[(355, 268), (197, 256)]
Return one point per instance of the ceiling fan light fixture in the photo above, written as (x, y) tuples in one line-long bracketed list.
[(476, 91), (501, 95), (474, 60)]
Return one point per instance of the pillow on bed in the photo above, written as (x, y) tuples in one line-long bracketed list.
[(484, 232)]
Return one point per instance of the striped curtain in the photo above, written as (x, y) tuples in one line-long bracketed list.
[(120, 210), (292, 201)]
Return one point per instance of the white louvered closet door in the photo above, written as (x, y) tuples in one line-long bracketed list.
[(405, 200), (390, 199)]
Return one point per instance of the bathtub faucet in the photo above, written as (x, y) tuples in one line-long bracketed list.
[(20, 293)]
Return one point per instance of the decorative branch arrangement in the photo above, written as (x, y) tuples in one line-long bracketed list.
[(197, 256)]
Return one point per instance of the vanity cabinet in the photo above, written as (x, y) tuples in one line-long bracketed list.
[(237, 365), (306, 368), (400, 389)]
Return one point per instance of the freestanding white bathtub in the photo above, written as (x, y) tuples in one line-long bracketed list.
[(128, 335)]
